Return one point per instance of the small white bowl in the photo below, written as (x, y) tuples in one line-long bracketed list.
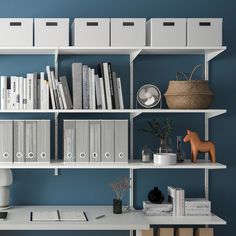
[(165, 159)]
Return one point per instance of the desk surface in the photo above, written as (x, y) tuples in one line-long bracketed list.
[(19, 219)]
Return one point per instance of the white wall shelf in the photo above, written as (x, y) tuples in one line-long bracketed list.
[(210, 52), (135, 112), (19, 219), (131, 165)]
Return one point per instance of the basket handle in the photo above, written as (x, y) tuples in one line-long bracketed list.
[(182, 74), (195, 69)]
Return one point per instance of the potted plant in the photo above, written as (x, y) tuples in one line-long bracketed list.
[(161, 131), (119, 187)]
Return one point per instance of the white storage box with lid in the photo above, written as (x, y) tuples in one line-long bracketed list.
[(51, 32), (163, 32), (204, 32), (91, 32), (16, 32), (128, 32)]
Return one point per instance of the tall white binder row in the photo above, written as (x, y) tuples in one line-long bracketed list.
[(96, 141), (25, 141)]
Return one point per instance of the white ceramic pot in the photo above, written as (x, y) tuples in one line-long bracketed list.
[(6, 177), (4, 197), (165, 158)]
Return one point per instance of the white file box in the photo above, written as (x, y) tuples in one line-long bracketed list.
[(91, 32), (128, 32), (205, 32), (51, 32), (16, 32), (166, 32)]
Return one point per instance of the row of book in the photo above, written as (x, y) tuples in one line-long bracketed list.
[(102, 90), (35, 92), (24, 141), (96, 141), (178, 205)]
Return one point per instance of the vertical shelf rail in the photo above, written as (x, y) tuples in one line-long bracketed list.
[(206, 131)]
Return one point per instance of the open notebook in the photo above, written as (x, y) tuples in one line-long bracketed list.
[(57, 215)]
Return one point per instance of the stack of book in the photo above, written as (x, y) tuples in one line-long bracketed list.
[(177, 199), (93, 90), (152, 209), (197, 206), (34, 92)]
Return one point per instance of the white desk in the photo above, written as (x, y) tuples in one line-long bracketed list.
[(19, 219)]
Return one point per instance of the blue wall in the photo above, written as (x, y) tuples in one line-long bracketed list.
[(80, 187)]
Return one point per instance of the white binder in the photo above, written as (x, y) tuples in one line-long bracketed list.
[(121, 141), (43, 141), (94, 141), (6, 141), (69, 141), (31, 140), (107, 141), (19, 141), (82, 140)]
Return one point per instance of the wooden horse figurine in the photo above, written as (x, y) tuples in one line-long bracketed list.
[(197, 145)]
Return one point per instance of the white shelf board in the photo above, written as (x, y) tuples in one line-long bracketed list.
[(210, 112), (185, 220), (130, 165), (28, 50), (71, 50), (19, 219)]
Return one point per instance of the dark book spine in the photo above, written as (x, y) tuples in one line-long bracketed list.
[(111, 86), (101, 74)]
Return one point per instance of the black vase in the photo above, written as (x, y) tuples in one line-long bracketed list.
[(117, 206), (156, 196)]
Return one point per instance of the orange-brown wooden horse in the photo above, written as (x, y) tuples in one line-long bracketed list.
[(197, 145)]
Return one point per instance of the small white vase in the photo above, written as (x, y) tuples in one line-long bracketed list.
[(4, 197), (6, 177)]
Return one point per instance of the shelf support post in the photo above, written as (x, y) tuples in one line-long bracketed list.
[(56, 140)]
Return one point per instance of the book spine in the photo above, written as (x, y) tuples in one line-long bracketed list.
[(24, 93), (35, 91), (9, 97), (13, 92), (30, 91), (3, 92), (116, 95), (85, 87), (21, 92), (103, 96), (46, 87), (98, 92), (42, 91), (111, 85), (59, 95), (17, 93), (120, 93), (77, 84), (66, 93), (107, 85), (62, 95), (54, 85), (51, 87), (92, 85)]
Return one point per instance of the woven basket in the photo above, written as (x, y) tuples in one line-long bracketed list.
[(188, 94)]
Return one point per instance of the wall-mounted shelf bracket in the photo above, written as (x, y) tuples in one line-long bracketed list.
[(211, 54), (134, 54)]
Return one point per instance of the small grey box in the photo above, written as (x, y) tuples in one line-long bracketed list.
[(31, 140), (6, 144), (121, 141), (204, 32), (128, 32), (95, 141), (107, 140), (166, 32), (69, 141), (43, 141), (82, 140), (19, 141)]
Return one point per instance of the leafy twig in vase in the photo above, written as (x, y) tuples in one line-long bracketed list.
[(120, 186)]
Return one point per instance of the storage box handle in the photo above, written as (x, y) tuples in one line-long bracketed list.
[(92, 23), (15, 23), (204, 23), (128, 23), (51, 23), (168, 23)]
